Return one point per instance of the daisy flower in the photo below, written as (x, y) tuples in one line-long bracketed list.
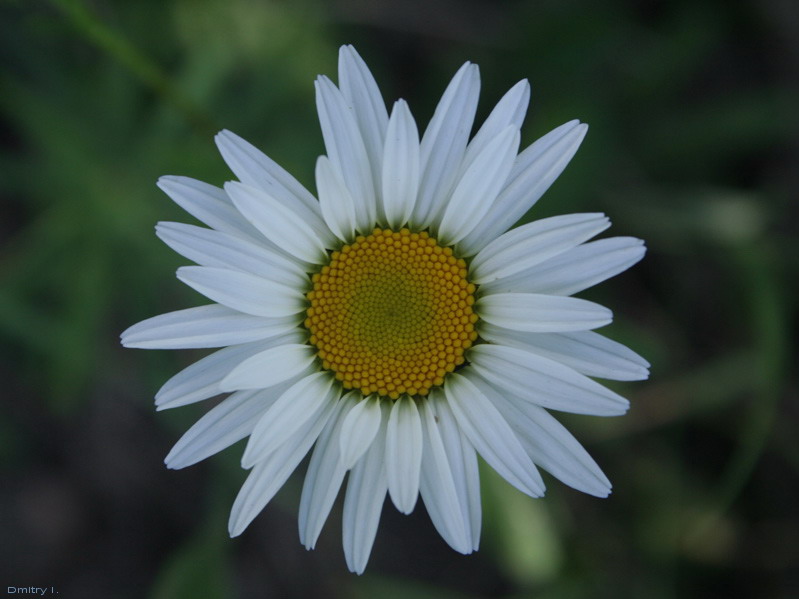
[(394, 325)]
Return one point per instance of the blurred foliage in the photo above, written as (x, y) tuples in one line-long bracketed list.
[(199, 568), (693, 146)]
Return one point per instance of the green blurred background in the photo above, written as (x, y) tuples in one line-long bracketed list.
[(693, 146)]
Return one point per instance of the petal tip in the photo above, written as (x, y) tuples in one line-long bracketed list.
[(229, 384), (235, 529), (164, 180)]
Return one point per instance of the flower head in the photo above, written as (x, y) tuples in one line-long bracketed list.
[(392, 324)]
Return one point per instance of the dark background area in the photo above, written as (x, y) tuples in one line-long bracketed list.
[(693, 146)]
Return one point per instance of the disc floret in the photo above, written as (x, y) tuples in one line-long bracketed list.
[(391, 313)]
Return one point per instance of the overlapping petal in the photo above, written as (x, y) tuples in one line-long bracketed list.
[(586, 351), (538, 313), (226, 423), (209, 205), (403, 454), (204, 326), (547, 441), (491, 435), (401, 166), (544, 382), (359, 429), (202, 379), (325, 474), (336, 201), (208, 247), (476, 190), (509, 111), (255, 169), (574, 270), (244, 292), (279, 223), (269, 367), (532, 244), (444, 144), (363, 502), (360, 90), (458, 464), (346, 150), (535, 169), (269, 474), (298, 405)]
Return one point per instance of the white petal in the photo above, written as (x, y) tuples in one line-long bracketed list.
[(243, 292), (401, 167), (269, 475), (228, 422), (297, 406), (207, 247), (204, 326), (404, 454), (284, 227), (560, 454), (255, 169), (270, 367), (548, 442), (535, 170), (543, 381), (491, 435), (209, 205), (444, 143), (359, 429), (346, 150), (463, 463), (586, 351), (479, 186), (532, 244), (576, 269), (363, 502), (438, 488), (201, 380), (539, 313), (337, 204), (510, 110), (325, 475), (360, 90)]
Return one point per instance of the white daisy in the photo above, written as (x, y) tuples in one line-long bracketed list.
[(393, 325)]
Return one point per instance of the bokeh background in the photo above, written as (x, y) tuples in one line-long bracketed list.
[(693, 146)]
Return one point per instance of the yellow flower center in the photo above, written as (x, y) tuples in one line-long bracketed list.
[(392, 313)]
